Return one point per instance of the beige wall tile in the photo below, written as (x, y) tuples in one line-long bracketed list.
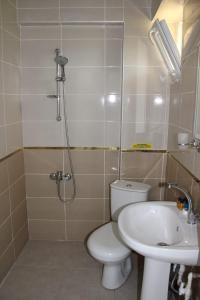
[(47, 230), (6, 261), (40, 186), (172, 168), (78, 231), (87, 209), (3, 146), (4, 206), (2, 105), (5, 235), (89, 186), (184, 178), (42, 161), (3, 176), (17, 192), (156, 192), (19, 217), (45, 208), (112, 162), (14, 137), (87, 162), (15, 166)]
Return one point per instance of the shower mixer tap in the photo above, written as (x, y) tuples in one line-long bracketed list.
[(59, 176)]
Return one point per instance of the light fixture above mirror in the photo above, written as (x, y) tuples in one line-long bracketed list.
[(162, 38)]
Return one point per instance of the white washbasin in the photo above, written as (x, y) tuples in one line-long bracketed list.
[(159, 230)]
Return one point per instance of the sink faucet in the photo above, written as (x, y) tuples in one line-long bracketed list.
[(191, 217)]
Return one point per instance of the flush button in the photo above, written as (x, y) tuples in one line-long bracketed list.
[(129, 185)]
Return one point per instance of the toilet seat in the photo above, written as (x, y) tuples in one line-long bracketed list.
[(106, 245)]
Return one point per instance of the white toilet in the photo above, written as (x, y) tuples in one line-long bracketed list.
[(105, 244)]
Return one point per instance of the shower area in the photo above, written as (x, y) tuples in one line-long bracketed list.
[(71, 112)]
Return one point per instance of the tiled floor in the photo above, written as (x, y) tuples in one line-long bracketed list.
[(59, 271)]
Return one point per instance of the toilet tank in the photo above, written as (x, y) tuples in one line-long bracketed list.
[(125, 192)]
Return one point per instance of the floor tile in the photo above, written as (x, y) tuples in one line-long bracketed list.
[(25, 283), (61, 271), (56, 255)]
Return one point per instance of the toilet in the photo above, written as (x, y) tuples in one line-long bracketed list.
[(105, 244)]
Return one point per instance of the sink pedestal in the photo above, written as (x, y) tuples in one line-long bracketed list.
[(155, 280)]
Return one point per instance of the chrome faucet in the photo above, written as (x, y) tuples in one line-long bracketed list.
[(191, 216), (59, 176)]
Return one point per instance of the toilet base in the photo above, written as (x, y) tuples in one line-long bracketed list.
[(114, 275)]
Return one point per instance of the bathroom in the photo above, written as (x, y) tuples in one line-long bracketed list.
[(123, 114)]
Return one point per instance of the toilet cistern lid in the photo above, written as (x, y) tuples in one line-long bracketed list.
[(130, 185)]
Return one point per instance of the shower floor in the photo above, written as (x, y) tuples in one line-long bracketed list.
[(59, 271)]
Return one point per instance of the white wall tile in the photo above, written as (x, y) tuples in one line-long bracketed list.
[(142, 133), (40, 56), (85, 80), (89, 134), (82, 14), (84, 52), (44, 133)]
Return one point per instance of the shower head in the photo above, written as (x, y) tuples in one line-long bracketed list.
[(61, 60)]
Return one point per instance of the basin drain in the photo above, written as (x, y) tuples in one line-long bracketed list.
[(162, 244)]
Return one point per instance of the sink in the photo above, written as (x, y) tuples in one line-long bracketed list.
[(159, 231)]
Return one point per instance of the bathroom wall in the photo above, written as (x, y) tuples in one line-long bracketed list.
[(93, 93), (183, 166), (13, 217)]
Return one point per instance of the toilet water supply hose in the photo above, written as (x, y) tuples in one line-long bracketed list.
[(184, 288)]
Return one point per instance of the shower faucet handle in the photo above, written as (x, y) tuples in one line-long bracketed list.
[(58, 176)]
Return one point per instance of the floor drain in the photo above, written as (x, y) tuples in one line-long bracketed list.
[(162, 244)]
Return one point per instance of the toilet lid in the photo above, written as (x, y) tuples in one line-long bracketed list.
[(105, 244)]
